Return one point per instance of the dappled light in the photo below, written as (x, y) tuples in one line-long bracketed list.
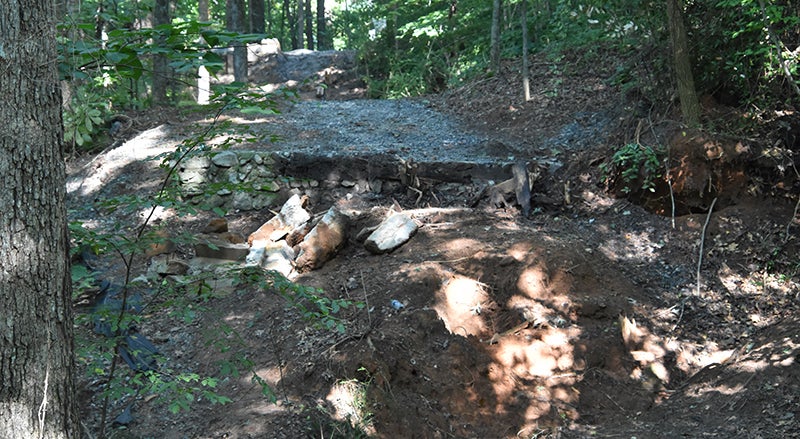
[(159, 140), (631, 246), (528, 292), (461, 305)]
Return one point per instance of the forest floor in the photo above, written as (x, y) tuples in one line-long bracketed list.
[(593, 317)]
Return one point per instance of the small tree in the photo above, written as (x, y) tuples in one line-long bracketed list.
[(690, 106), (161, 69), (495, 41)]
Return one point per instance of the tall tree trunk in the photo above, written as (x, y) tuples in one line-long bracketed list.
[(322, 31), (236, 16), (203, 76), (161, 70), (257, 16), (269, 8), (37, 394), (526, 75), (299, 20), (286, 19), (494, 53), (309, 26), (202, 10), (690, 106)]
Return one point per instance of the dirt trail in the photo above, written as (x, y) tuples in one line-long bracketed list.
[(585, 320)]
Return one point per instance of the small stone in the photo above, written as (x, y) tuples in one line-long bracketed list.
[(219, 249), (163, 265), (225, 159), (270, 186), (278, 256), (216, 225), (161, 243), (195, 176), (242, 201)]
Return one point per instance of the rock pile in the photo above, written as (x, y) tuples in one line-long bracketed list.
[(292, 241)]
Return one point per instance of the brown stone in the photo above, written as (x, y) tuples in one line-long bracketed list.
[(216, 225), (161, 244), (216, 248), (324, 240), (232, 237)]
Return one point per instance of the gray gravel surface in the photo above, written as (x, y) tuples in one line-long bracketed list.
[(409, 129)]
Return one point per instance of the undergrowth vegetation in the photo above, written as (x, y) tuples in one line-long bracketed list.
[(115, 310)]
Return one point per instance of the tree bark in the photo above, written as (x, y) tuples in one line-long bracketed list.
[(494, 53), (300, 19), (269, 11), (37, 395), (309, 26), (322, 31), (257, 16), (690, 106), (286, 19), (161, 70), (526, 75), (236, 15)]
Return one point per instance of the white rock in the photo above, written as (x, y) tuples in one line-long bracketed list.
[(391, 234)]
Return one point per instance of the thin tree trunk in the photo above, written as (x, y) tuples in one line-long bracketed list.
[(286, 19), (690, 106), (37, 393), (494, 54), (300, 19), (322, 31), (257, 16), (268, 12), (526, 84), (236, 16), (309, 26), (161, 70)]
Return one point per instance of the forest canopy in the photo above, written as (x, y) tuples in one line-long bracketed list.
[(742, 52)]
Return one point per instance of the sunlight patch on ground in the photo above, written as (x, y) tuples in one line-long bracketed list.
[(460, 305), (544, 359), (349, 400), (772, 288), (631, 247), (160, 213), (522, 250), (462, 247), (106, 166), (536, 283), (271, 375)]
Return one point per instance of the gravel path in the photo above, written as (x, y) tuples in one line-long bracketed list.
[(407, 128)]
